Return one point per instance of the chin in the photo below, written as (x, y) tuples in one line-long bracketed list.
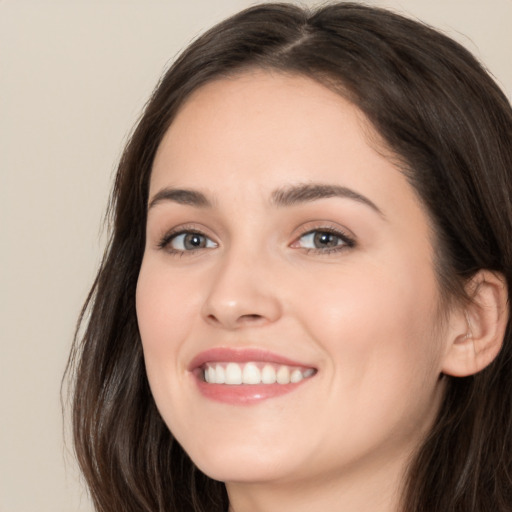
[(249, 464)]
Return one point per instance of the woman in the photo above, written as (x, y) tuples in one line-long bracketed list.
[(304, 302)]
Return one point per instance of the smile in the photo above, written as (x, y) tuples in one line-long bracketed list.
[(253, 373), (247, 376)]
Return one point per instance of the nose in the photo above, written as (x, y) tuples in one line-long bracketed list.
[(241, 294)]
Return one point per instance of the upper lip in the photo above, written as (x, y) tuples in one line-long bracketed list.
[(241, 355)]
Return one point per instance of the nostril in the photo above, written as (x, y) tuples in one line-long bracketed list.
[(251, 317), (213, 318), (235, 321)]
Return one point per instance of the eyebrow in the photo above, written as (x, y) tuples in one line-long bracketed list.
[(180, 196), (282, 197), (304, 193)]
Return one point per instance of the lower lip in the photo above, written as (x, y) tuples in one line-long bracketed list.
[(245, 394)]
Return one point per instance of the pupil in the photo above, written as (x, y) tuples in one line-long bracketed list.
[(193, 241), (325, 240)]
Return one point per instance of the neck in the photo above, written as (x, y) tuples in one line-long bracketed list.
[(354, 490)]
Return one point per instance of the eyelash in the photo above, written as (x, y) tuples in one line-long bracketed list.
[(347, 241), (165, 242)]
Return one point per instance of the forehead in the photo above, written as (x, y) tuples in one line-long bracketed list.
[(246, 136), (266, 121)]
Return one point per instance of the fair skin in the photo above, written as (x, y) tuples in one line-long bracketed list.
[(338, 278)]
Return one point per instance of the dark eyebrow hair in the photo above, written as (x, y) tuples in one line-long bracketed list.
[(306, 192), (287, 196), (181, 196)]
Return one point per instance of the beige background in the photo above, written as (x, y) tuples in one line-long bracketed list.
[(73, 77)]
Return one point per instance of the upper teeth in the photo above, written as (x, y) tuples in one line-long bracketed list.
[(254, 373)]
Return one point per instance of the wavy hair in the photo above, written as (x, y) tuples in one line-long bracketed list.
[(450, 128)]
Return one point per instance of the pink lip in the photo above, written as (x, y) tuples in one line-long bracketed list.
[(241, 394), (221, 354)]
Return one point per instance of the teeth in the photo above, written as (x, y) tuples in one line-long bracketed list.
[(251, 374), (268, 374), (283, 375), (220, 375), (254, 373), (296, 376), (233, 374)]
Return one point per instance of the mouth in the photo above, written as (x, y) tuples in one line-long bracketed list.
[(241, 377), (253, 373)]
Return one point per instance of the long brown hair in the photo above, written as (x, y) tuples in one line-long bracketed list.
[(449, 126)]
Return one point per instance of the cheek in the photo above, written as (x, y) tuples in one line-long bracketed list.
[(381, 359), (165, 302), (167, 309), (164, 319), (374, 329)]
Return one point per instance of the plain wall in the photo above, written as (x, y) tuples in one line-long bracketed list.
[(74, 75)]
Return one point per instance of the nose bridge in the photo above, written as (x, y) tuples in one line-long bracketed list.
[(241, 292)]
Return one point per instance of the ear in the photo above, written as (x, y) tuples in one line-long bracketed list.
[(477, 329)]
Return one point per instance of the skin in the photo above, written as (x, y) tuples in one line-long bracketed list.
[(365, 315)]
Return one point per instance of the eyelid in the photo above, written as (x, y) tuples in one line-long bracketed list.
[(165, 240), (348, 238)]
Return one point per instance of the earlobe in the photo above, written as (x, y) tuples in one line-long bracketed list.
[(474, 346)]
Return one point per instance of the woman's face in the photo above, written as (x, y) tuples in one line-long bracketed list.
[(282, 246)]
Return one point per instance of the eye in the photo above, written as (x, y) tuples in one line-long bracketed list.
[(186, 241), (324, 240)]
